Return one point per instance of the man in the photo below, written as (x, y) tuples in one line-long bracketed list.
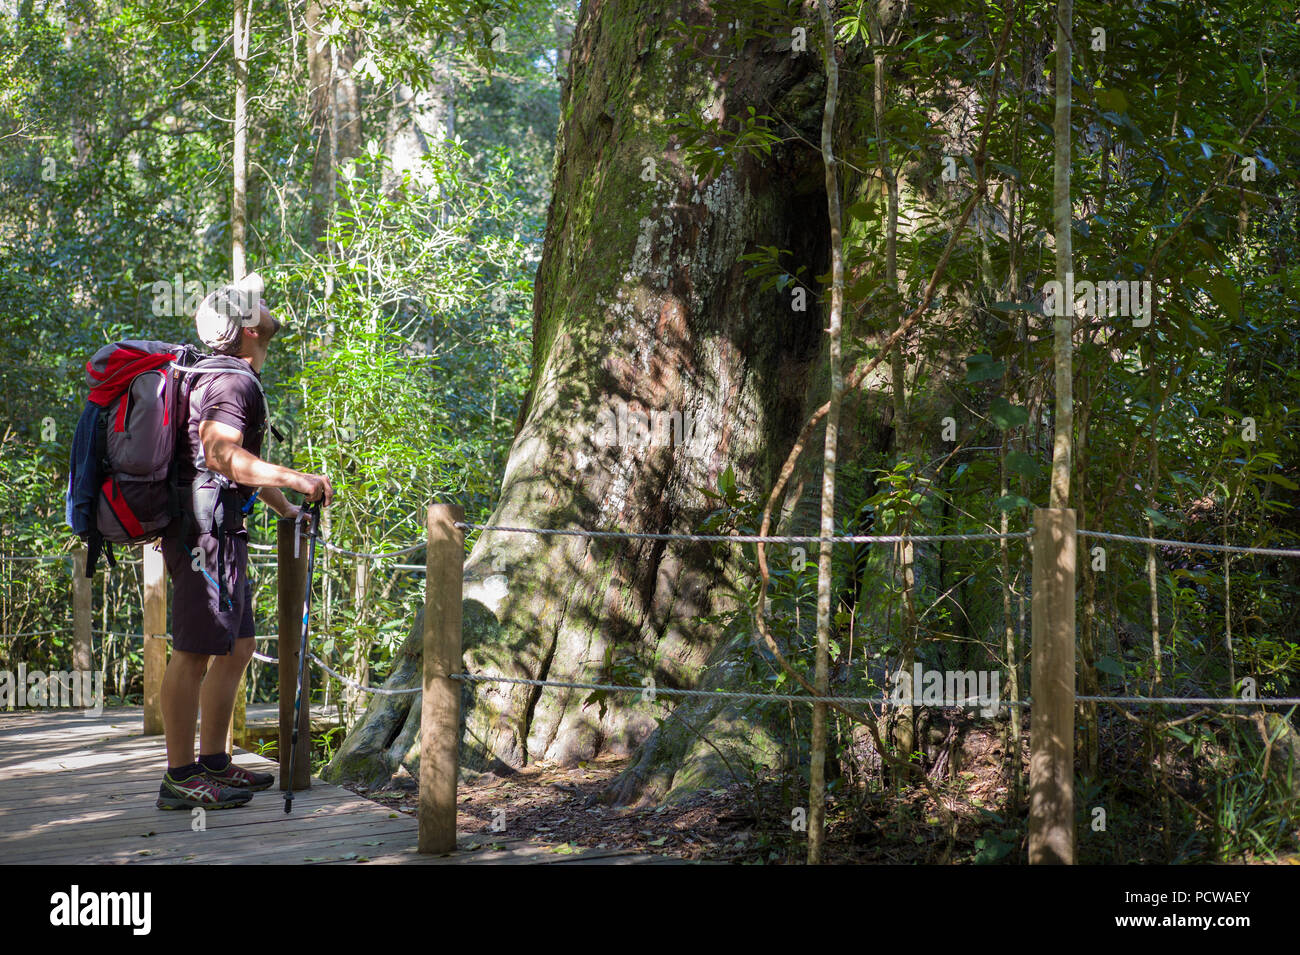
[(207, 551)]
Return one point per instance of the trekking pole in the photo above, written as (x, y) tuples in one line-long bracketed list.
[(313, 515)]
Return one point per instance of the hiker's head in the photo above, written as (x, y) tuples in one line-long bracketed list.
[(235, 320)]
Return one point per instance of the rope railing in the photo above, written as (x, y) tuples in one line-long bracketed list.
[(1187, 545), (330, 546), (748, 538), (722, 694), (377, 690), (1191, 700), (976, 702), (694, 538)]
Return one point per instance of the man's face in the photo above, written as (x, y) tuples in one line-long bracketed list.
[(269, 326), (263, 331), (270, 320)]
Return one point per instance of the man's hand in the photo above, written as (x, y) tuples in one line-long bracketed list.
[(315, 487)]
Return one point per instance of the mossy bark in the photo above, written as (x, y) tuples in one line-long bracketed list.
[(642, 304)]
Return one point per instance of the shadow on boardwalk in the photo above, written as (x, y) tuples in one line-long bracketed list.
[(78, 789)]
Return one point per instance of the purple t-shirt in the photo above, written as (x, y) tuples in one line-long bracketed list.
[(228, 398)]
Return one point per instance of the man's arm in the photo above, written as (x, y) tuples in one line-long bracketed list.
[(223, 452), (277, 502)]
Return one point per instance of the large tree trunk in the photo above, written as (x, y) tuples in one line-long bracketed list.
[(641, 304)]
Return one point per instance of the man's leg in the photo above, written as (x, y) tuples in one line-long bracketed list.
[(195, 620), (180, 704), (218, 700)]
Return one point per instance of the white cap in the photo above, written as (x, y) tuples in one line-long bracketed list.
[(223, 314)]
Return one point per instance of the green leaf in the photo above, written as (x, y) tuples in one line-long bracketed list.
[(727, 481), (860, 210), (1006, 415), (1006, 170), (1109, 665), (1112, 100), (1009, 502), (1280, 480), (1225, 294), (1022, 463), (1158, 519), (983, 368)]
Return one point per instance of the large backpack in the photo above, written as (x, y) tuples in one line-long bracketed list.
[(123, 484)]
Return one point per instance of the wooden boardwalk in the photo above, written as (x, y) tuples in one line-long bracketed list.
[(77, 789)]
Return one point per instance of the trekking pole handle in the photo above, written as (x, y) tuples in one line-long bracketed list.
[(311, 511)]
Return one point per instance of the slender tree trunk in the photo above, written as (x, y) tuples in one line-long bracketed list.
[(817, 787), (320, 97), (241, 28), (905, 727), (346, 103), (239, 198), (80, 20), (1061, 226)]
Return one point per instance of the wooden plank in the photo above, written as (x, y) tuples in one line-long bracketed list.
[(142, 806), (291, 591), (78, 790), (249, 842), (155, 647), (440, 707)]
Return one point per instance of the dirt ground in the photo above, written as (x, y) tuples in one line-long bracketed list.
[(756, 823)]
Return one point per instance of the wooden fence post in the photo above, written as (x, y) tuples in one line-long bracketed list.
[(1051, 733), (440, 710), (155, 645), (291, 590), (80, 612)]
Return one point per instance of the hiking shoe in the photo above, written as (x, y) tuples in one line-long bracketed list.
[(199, 792), (236, 777)]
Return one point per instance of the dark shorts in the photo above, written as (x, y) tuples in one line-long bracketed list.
[(201, 623)]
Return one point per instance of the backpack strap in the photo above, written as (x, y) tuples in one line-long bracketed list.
[(214, 365), (226, 369)]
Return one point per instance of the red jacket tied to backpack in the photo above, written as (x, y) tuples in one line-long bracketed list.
[(122, 485)]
